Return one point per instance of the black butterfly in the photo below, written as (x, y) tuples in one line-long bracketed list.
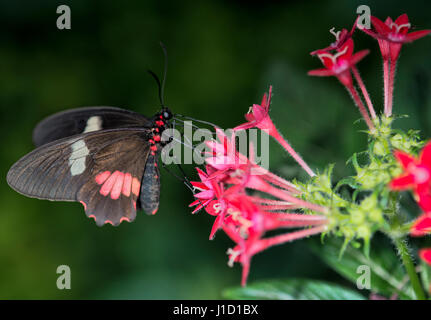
[(104, 157)]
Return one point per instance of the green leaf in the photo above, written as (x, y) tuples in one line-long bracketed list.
[(386, 272), (350, 181), (292, 289)]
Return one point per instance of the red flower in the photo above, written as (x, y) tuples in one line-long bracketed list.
[(246, 248), (207, 191), (258, 117), (395, 33), (416, 175), (425, 255), (391, 36), (340, 39), (422, 226), (340, 63)]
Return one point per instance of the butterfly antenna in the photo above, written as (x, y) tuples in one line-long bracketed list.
[(161, 84), (196, 120), (165, 72)]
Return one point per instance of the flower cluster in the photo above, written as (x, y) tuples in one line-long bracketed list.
[(247, 200), (416, 176), (340, 61)]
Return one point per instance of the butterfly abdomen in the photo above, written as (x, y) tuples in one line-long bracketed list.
[(150, 187)]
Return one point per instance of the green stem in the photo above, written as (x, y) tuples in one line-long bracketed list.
[(410, 268)]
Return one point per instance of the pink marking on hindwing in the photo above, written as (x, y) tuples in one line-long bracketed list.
[(127, 184), (109, 183), (118, 186), (124, 219), (135, 186), (101, 177), (84, 204), (117, 183)]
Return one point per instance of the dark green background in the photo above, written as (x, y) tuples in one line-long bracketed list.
[(222, 56)]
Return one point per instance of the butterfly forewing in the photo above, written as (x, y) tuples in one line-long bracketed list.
[(82, 120), (103, 170)]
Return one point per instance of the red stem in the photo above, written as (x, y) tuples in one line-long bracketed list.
[(299, 217), (386, 83), (362, 110), (391, 87), (283, 195), (287, 237), (276, 180), (364, 91), (277, 136)]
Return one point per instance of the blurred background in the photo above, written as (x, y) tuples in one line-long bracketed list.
[(223, 55)]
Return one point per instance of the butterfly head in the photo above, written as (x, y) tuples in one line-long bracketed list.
[(166, 113)]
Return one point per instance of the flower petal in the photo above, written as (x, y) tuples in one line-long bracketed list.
[(381, 28), (412, 36), (425, 255), (358, 56), (425, 156), (422, 226), (403, 158), (321, 72), (348, 48), (402, 182), (424, 200), (402, 19)]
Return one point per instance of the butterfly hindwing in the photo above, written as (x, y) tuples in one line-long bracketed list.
[(103, 170), (81, 120)]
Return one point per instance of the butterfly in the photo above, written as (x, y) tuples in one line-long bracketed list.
[(106, 158)]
